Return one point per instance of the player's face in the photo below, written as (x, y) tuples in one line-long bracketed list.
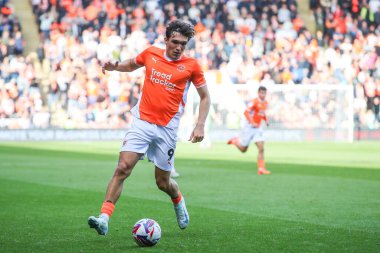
[(175, 45), (262, 94)]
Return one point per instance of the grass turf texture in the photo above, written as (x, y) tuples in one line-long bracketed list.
[(321, 197)]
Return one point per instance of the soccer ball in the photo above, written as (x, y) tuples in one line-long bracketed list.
[(146, 232)]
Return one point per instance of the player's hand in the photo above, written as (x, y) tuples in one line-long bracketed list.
[(198, 134), (267, 124), (109, 66)]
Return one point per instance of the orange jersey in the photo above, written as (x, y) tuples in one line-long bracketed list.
[(163, 96), (256, 111)]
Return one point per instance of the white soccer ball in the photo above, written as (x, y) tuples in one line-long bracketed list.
[(146, 232)]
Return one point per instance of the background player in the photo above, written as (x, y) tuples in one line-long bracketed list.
[(174, 173), (156, 118), (252, 131)]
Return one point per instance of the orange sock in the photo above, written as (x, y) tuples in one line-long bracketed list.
[(107, 208), (261, 164), (178, 199)]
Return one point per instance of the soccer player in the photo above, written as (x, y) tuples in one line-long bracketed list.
[(252, 131), (156, 118)]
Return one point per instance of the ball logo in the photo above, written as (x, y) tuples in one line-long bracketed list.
[(181, 67)]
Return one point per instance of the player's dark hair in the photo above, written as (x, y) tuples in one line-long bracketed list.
[(181, 27), (262, 88)]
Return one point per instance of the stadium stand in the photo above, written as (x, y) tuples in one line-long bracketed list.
[(240, 42), (21, 99)]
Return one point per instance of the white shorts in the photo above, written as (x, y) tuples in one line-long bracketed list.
[(250, 133), (157, 142)]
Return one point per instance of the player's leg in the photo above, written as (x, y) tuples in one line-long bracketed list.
[(242, 144), (236, 142), (261, 168), (260, 154), (161, 152), (127, 161), (165, 183), (242, 148), (170, 187), (258, 138), (135, 144)]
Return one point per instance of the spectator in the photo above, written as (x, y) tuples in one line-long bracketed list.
[(233, 37)]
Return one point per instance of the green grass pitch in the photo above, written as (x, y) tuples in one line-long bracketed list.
[(321, 197)]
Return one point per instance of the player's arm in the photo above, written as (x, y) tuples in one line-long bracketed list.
[(128, 65), (266, 119), (204, 107), (247, 114)]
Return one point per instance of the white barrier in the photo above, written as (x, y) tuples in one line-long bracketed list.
[(61, 135)]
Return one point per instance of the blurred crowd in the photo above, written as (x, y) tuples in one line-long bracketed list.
[(249, 42), (349, 33), (21, 103)]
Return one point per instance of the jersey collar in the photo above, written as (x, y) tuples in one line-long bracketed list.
[(261, 100), (170, 59)]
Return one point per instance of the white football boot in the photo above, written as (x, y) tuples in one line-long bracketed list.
[(174, 174), (182, 214), (100, 224)]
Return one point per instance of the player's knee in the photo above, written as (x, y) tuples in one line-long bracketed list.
[(123, 170), (162, 184), (244, 149)]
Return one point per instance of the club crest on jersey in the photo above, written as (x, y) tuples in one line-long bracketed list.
[(181, 67)]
